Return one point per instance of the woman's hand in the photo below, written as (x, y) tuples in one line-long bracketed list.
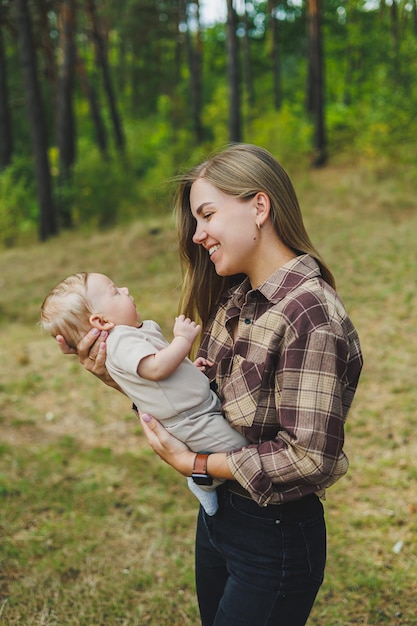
[(169, 448), (177, 454), (91, 352)]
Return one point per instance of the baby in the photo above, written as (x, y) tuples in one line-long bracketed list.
[(156, 375)]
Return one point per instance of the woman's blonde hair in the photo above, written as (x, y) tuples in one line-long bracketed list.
[(242, 171), (66, 309)]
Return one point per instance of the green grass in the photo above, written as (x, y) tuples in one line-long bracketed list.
[(97, 531)]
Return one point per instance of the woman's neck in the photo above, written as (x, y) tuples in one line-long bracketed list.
[(269, 261)]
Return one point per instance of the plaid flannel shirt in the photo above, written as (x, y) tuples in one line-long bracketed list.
[(287, 382)]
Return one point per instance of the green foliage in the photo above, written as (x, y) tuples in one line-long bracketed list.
[(370, 92), (119, 188), (287, 133), (18, 202), (215, 115), (101, 187), (378, 127), (161, 147)]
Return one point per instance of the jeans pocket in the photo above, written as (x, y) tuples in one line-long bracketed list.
[(313, 532)]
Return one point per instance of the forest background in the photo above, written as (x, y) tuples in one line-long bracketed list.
[(101, 104), (103, 101)]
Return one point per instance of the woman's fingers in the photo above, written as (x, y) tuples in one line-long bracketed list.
[(91, 351), (87, 348), (154, 432), (64, 347), (96, 361)]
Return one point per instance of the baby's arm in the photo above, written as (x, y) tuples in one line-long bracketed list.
[(162, 364)]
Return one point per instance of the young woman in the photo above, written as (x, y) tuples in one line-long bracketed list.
[(286, 363)]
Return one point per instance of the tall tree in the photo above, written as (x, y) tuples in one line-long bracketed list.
[(95, 111), (414, 11), (65, 109), (102, 62), (395, 36), (316, 80), (194, 54), (235, 130), (47, 220), (47, 43), (274, 52), (6, 142), (246, 60), (197, 77)]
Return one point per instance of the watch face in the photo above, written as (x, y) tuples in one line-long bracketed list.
[(202, 479)]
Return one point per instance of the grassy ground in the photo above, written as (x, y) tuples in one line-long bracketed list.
[(96, 531)]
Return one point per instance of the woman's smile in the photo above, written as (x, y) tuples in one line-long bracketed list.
[(213, 249)]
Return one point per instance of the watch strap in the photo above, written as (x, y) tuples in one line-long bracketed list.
[(200, 463)]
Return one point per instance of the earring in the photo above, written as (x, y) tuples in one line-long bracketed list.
[(258, 225)]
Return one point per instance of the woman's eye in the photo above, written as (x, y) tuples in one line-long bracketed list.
[(207, 216)]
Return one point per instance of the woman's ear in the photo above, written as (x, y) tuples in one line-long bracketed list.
[(263, 207), (97, 321)]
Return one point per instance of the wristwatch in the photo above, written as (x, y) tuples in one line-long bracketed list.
[(200, 475)]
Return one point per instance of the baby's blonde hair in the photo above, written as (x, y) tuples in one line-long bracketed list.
[(66, 309)]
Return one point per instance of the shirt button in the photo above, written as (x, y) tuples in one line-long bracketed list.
[(247, 320)]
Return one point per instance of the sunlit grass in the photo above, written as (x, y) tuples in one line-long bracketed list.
[(96, 531)]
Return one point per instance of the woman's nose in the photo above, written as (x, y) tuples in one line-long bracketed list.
[(125, 290), (199, 235)]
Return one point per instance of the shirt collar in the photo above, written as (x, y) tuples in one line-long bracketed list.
[(284, 280)]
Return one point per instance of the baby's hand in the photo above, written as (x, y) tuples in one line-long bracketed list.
[(201, 363), (184, 327)]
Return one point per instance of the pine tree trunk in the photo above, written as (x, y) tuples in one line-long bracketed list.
[(235, 132), (247, 68), (47, 220), (415, 17), (91, 95), (102, 62), (316, 81), (65, 109), (275, 58), (6, 141), (196, 80), (194, 54)]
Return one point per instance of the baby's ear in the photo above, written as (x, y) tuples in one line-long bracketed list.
[(97, 321)]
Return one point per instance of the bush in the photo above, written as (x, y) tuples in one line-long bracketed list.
[(100, 186), (18, 202), (287, 133)]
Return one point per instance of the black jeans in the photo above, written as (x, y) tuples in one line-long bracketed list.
[(259, 566)]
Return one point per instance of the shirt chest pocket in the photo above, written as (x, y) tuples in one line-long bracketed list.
[(240, 390)]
